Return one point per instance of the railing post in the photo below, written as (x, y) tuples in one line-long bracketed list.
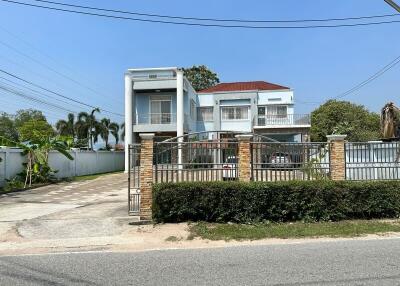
[(337, 157), (146, 175), (244, 157)]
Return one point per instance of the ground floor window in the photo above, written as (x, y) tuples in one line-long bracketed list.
[(205, 113)]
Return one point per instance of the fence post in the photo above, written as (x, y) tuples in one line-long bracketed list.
[(146, 175), (337, 157), (244, 157)]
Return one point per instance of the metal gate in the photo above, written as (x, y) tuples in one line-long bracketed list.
[(134, 179), (202, 156)]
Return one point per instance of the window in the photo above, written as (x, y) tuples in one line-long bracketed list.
[(205, 113), (277, 111), (160, 110), (235, 113), (192, 109)]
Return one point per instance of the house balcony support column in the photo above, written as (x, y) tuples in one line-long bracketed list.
[(179, 114), (128, 118)]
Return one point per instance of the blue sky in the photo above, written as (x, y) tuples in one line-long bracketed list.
[(316, 63)]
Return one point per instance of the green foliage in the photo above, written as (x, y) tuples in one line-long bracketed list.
[(105, 128), (343, 117), (37, 169), (35, 130), (24, 115), (7, 128), (13, 184), (201, 77), (88, 127), (275, 201), (352, 228)]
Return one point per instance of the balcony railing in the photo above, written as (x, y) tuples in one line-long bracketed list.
[(289, 119), (155, 118)]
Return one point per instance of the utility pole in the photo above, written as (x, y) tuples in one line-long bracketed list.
[(393, 4)]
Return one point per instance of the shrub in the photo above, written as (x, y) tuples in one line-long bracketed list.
[(275, 201)]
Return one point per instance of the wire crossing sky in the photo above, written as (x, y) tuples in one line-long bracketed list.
[(80, 49)]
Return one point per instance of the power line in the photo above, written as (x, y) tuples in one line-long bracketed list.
[(48, 67), (376, 75), (357, 87), (31, 98), (54, 60), (35, 91), (215, 19), (200, 24), (56, 93)]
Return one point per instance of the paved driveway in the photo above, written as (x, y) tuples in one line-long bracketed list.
[(70, 214)]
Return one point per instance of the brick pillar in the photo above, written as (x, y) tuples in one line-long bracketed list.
[(146, 175), (337, 157), (244, 157)]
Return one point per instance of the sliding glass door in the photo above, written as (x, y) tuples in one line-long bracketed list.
[(160, 110)]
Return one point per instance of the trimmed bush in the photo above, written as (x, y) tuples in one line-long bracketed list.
[(275, 201)]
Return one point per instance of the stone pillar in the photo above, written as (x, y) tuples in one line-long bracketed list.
[(146, 175), (244, 157), (337, 157), (128, 118)]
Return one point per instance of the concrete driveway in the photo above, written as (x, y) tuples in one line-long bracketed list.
[(69, 215)]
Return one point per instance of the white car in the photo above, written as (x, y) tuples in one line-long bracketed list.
[(229, 168)]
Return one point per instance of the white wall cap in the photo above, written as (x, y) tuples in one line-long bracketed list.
[(336, 137), (244, 136), (147, 136)]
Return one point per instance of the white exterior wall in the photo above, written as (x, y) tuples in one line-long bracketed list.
[(271, 97), (84, 163)]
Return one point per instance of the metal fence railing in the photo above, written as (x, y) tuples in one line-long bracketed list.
[(207, 160), (275, 161), (134, 179), (373, 161)]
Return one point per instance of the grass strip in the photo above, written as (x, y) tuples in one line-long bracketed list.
[(351, 228)]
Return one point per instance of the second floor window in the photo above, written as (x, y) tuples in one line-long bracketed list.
[(205, 113), (160, 110), (279, 111), (235, 113)]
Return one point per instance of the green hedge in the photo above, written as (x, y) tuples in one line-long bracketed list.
[(275, 201)]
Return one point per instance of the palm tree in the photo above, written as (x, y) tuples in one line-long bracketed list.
[(88, 127), (67, 127), (107, 127), (123, 131)]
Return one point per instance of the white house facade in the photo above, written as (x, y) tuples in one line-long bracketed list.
[(162, 101)]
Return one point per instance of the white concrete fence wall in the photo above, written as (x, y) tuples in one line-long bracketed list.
[(84, 163)]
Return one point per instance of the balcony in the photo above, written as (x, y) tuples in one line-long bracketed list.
[(282, 121), (157, 122)]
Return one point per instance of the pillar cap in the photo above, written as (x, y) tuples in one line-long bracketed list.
[(243, 137), (147, 136), (336, 137)]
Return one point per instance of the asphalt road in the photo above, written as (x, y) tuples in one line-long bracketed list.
[(374, 262)]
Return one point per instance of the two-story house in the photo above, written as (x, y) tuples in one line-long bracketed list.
[(162, 101)]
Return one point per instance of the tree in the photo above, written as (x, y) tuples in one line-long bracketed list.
[(107, 127), (123, 131), (34, 130), (25, 115), (7, 128), (201, 77), (88, 126), (334, 117), (67, 127), (37, 153)]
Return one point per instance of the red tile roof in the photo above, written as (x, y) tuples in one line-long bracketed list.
[(242, 86)]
